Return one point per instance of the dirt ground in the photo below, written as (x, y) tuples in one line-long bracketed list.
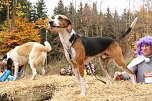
[(64, 88)]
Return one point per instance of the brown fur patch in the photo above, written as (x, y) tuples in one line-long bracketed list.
[(65, 23), (25, 49), (115, 52), (80, 56)]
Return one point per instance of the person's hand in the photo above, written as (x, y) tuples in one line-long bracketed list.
[(118, 76)]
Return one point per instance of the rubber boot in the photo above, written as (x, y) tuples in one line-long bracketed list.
[(5, 75), (10, 78), (20, 73)]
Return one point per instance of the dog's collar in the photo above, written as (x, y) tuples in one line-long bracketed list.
[(73, 37)]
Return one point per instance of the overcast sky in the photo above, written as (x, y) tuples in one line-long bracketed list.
[(118, 5)]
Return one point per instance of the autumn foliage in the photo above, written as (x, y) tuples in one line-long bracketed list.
[(24, 32)]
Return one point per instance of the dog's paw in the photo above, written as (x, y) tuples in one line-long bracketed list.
[(82, 94)]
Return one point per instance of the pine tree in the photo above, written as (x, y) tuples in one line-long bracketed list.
[(60, 9), (41, 9), (94, 22), (72, 15), (79, 19), (108, 24), (117, 24)]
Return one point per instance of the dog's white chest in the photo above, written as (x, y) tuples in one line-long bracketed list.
[(69, 51)]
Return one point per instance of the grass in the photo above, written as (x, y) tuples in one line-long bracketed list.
[(54, 87)]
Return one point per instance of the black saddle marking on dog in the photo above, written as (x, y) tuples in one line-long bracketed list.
[(95, 45)]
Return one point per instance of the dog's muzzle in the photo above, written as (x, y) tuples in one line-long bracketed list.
[(51, 23)]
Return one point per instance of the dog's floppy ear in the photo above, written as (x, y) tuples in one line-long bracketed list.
[(69, 28), (5, 56)]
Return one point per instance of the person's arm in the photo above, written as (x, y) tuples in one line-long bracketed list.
[(121, 76), (125, 76)]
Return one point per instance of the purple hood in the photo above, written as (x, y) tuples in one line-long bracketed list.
[(144, 40)]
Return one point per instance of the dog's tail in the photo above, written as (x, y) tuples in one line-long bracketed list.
[(48, 46), (129, 29)]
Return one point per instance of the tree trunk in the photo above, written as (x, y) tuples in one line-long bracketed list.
[(8, 26), (13, 14)]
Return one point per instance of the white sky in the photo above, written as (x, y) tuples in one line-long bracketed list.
[(118, 5)]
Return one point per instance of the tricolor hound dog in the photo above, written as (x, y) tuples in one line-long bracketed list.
[(31, 52), (79, 49)]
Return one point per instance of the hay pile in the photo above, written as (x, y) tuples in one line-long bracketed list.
[(65, 88), (54, 87)]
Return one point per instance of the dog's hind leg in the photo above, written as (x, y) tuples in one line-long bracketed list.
[(121, 63), (115, 53), (43, 71), (104, 66), (34, 72)]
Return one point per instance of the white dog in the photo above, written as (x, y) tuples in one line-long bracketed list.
[(31, 52)]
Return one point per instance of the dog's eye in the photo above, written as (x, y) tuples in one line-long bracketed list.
[(60, 18)]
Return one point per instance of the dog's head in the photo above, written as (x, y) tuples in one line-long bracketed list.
[(7, 60), (4, 59), (6, 56), (60, 22)]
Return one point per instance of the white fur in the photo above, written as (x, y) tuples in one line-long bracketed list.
[(30, 57), (46, 43), (134, 22)]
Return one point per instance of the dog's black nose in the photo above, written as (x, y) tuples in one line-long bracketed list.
[(51, 23)]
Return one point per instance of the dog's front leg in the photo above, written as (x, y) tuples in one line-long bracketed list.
[(16, 71), (103, 64), (76, 72), (34, 72), (82, 79)]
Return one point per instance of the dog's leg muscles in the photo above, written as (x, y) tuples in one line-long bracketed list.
[(82, 79), (120, 61), (16, 70), (103, 64), (33, 71), (115, 53)]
